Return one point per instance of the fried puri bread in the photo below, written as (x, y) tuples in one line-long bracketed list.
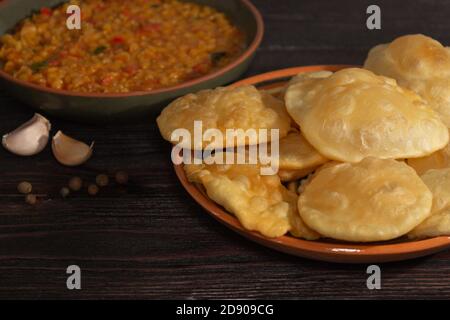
[(224, 108), (298, 228), (279, 92), (296, 153), (260, 203), (438, 223), (373, 200), (419, 63), (437, 160), (293, 175), (354, 114), (309, 75)]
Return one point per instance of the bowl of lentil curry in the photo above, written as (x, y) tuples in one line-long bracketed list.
[(128, 58)]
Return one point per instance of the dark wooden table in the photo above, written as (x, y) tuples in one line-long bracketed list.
[(152, 240)]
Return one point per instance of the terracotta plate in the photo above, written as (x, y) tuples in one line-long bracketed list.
[(326, 250)]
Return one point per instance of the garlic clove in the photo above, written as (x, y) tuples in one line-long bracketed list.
[(70, 152), (30, 138)]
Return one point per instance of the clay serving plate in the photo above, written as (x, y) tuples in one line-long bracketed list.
[(97, 107), (323, 249)]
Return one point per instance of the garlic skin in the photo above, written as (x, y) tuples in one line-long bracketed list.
[(70, 152), (28, 139)]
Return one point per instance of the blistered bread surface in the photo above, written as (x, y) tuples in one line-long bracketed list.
[(372, 200), (296, 153), (260, 202), (354, 114), (438, 223), (419, 63), (225, 108)]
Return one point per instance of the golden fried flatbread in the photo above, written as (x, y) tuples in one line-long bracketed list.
[(311, 176), (437, 160), (309, 75), (224, 108), (257, 201), (280, 91), (355, 114), (373, 200), (298, 228), (261, 203), (419, 63), (438, 223), (296, 153)]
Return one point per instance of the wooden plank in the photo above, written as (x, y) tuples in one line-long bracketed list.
[(152, 240)]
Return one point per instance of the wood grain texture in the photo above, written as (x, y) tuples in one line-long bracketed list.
[(151, 240)]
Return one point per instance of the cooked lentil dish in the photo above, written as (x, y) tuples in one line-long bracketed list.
[(122, 46)]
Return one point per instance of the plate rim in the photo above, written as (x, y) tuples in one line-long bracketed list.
[(345, 252)]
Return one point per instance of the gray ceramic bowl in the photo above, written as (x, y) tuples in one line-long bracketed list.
[(110, 107)]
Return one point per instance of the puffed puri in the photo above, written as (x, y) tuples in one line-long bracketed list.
[(438, 223), (244, 108), (353, 114), (418, 63), (260, 202), (373, 200), (437, 160)]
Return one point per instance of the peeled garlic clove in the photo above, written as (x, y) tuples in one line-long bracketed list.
[(30, 138), (70, 152)]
